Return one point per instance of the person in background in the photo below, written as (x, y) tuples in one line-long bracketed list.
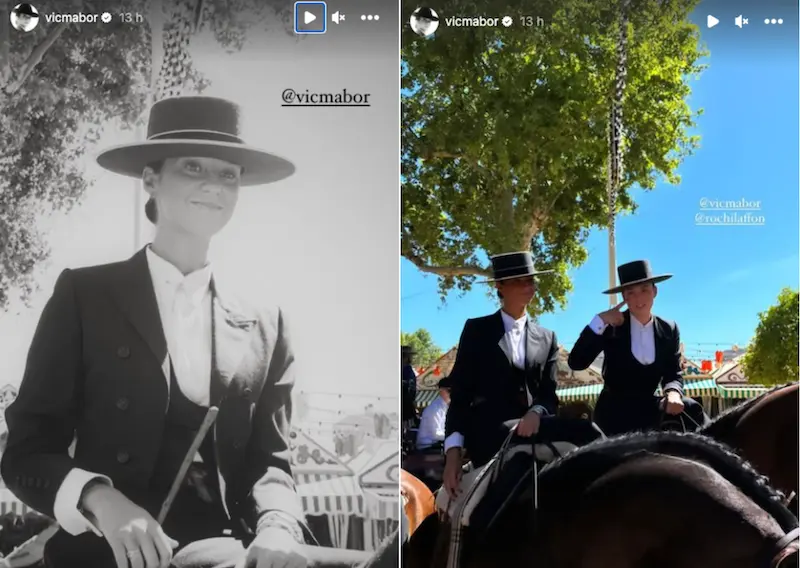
[(409, 383), (641, 352), (432, 421)]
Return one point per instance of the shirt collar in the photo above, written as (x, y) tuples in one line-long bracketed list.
[(642, 327), (510, 323), (167, 276)]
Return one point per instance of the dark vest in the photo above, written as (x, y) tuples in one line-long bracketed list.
[(191, 516), (643, 379)]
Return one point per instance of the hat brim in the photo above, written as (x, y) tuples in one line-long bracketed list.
[(653, 279), (258, 167), (537, 273)]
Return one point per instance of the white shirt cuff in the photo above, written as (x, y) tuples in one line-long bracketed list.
[(597, 325), (454, 440), (539, 409), (68, 499)]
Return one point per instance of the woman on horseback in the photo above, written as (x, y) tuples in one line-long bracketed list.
[(641, 352)]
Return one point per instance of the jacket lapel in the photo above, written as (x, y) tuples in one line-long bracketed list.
[(503, 343), (134, 294), (660, 340)]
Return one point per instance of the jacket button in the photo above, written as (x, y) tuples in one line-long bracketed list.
[(122, 403), (123, 457), (123, 352)]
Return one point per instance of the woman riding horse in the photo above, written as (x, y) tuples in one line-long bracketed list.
[(641, 351)]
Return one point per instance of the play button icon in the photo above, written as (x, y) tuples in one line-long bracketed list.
[(711, 21), (310, 17)]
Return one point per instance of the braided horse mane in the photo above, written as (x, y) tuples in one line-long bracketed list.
[(562, 481)]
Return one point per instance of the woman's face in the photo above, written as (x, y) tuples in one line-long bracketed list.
[(195, 196)]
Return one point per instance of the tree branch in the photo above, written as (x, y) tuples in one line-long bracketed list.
[(464, 270), (35, 57)]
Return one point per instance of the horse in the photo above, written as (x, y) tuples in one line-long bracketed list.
[(764, 430), (418, 501), (641, 500)]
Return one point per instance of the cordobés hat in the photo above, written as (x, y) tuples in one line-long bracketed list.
[(27, 10), (205, 127), (426, 13), (513, 265), (636, 272)]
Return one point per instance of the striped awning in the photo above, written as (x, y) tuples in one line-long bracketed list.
[(335, 496), (382, 509), (9, 503), (741, 392), (707, 387), (425, 397)]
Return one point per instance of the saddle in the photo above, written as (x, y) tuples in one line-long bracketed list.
[(486, 492)]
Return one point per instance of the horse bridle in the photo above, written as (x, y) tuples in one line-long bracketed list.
[(783, 548)]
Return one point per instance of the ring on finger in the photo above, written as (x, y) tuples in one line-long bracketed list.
[(133, 553)]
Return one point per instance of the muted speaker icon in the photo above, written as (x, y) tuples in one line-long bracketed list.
[(337, 17), (740, 21)]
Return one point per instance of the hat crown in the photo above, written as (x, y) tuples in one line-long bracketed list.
[(195, 118), (634, 271), (512, 264)]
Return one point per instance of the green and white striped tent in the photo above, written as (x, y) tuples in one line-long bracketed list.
[(694, 389)]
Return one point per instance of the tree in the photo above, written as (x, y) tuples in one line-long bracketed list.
[(504, 130), (771, 359), (422, 342), (61, 84)]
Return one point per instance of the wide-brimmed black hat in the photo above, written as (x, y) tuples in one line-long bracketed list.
[(513, 265), (636, 272), (26, 9), (426, 13), (445, 383), (204, 127)]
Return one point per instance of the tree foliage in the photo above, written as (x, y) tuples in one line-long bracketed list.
[(771, 359), (504, 130), (60, 85), (422, 342)]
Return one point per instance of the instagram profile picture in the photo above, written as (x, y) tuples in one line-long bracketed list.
[(24, 17), (424, 21)]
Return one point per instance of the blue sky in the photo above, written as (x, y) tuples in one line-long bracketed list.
[(723, 275)]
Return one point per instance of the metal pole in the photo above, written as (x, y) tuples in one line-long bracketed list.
[(615, 145)]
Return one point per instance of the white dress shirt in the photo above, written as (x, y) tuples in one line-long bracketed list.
[(184, 304), (643, 343), (515, 333), (431, 423)]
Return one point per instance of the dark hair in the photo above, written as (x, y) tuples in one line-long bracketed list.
[(150, 210), (499, 294)]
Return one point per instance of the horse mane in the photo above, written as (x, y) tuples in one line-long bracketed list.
[(582, 466), (387, 555), (723, 425)]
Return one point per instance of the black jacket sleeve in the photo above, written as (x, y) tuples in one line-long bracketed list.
[(463, 379)]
